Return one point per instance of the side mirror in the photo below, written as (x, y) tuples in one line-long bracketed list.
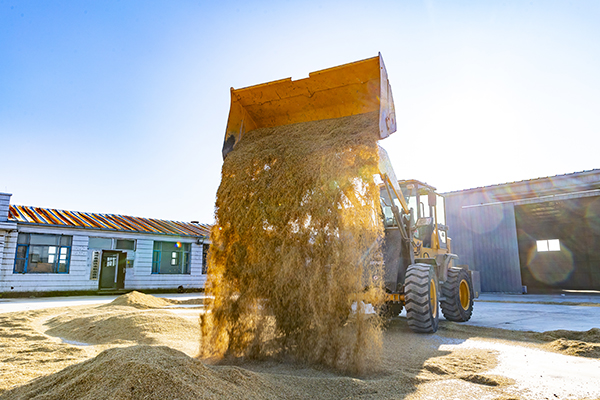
[(432, 199)]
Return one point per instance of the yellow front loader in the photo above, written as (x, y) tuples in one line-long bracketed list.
[(420, 270)]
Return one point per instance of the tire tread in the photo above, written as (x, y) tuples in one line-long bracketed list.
[(450, 302), (417, 304)]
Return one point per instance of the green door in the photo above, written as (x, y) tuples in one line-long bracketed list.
[(108, 271)]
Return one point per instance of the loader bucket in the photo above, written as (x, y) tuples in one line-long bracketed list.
[(349, 89)]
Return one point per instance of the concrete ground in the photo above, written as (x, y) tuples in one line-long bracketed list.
[(526, 312), (530, 312)]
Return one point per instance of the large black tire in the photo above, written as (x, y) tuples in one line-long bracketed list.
[(421, 298), (457, 292)]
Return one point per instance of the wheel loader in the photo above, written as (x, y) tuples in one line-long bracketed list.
[(420, 271)]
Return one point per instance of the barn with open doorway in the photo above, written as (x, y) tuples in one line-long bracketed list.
[(536, 235)]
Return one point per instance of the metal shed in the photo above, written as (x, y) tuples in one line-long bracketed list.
[(540, 234)]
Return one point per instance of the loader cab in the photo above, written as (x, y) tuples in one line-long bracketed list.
[(428, 211)]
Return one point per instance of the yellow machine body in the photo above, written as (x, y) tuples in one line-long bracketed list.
[(350, 89)]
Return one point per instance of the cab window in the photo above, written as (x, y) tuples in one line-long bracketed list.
[(441, 210)]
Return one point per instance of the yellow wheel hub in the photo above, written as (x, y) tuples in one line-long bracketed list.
[(433, 297), (465, 294)]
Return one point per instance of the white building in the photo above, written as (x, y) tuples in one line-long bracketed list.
[(48, 250)]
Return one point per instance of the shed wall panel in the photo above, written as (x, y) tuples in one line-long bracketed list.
[(485, 238), (495, 247)]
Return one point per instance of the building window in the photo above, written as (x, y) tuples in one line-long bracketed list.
[(37, 253), (171, 258), (100, 243), (111, 244), (548, 245), (122, 244), (205, 248)]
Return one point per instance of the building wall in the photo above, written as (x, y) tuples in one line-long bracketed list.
[(485, 238), (138, 277), (4, 205), (483, 227), (2, 239), (141, 277), (575, 225)]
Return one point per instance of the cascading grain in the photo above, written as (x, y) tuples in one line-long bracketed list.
[(296, 242)]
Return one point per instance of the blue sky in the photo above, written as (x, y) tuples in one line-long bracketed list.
[(121, 106)]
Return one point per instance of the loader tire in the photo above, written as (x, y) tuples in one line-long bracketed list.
[(421, 300), (457, 292)]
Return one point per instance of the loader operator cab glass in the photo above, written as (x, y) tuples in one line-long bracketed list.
[(410, 195), (425, 203), (422, 200), (388, 215), (389, 219), (425, 222), (441, 210)]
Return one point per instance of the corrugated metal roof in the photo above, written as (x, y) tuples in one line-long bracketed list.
[(111, 222), (592, 171)]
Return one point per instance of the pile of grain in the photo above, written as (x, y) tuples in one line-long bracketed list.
[(141, 372), (575, 348), (591, 336), (140, 300), (129, 319), (296, 240), (574, 343), (162, 373), (117, 325)]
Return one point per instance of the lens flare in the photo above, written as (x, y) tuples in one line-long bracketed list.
[(550, 267), (592, 215)]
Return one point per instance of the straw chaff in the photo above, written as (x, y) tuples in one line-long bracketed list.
[(296, 243)]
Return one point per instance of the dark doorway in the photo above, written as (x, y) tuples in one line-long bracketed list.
[(559, 244), (112, 271)]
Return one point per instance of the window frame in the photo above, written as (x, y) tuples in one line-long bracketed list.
[(184, 254), (24, 242), (114, 243), (205, 249), (548, 245)]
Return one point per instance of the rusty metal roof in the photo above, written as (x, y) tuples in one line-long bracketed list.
[(110, 222)]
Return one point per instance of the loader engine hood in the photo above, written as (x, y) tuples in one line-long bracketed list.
[(350, 89)]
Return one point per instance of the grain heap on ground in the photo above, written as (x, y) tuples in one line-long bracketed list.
[(296, 241), (139, 300), (585, 344), (142, 372)]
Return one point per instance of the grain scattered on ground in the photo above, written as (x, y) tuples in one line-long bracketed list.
[(26, 353), (413, 366)]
